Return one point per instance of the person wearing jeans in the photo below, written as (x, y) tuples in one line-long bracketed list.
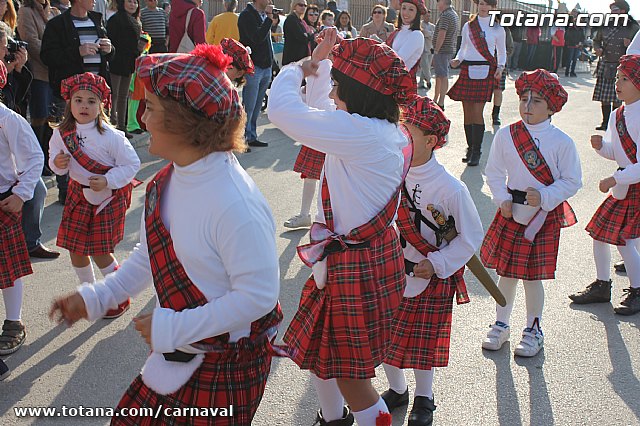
[(252, 97), (31, 216)]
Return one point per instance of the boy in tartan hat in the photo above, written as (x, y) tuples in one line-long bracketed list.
[(207, 244), (533, 168), (431, 197), (617, 220)]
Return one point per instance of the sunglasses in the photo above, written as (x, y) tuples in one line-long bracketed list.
[(378, 12), (313, 14), (301, 5)]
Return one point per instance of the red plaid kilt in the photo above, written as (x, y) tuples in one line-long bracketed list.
[(309, 163), (467, 90), (421, 330), (235, 378), (85, 233), (344, 330), (617, 221), (14, 262), (507, 251)]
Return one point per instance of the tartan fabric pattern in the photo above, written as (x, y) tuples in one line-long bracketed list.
[(546, 85), (172, 75), (413, 72), (477, 38), (14, 262), (605, 89), (3, 75), (223, 379), (86, 233), (467, 90), (426, 115), (70, 139), (419, 4), (629, 146), (375, 65), (309, 163), (630, 66), (86, 81), (239, 53)]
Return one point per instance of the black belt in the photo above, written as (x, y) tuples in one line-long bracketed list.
[(408, 267), (7, 194), (620, 169), (178, 356), (335, 247), (470, 63), (519, 197)]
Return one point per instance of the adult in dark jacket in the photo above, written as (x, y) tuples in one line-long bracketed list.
[(573, 38), (296, 37), (124, 30), (254, 24)]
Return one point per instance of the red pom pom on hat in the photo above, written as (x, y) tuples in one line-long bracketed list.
[(214, 54)]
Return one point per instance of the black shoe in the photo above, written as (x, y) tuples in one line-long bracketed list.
[(477, 132), (573, 74), (598, 291), (346, 420), (619, 267), (496, 120), (4, 370), (495, 115), (62, 197), (41, 252), (394, 399), (602, 127), (566, 74), (422, 411), (257, 143), (630, 304)]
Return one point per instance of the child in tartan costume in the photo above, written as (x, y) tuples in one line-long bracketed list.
[(421, 329), (341, 330), (217, 314), (101, 164), (533, 169), (617, 220), (21, 162)]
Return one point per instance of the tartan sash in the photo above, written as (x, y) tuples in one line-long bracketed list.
[(70, 139), (479, 42), (173, 286), (629, 146)]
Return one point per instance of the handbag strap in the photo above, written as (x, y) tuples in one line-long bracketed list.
[(186, 23)]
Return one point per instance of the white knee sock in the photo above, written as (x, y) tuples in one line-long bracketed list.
[(631, 256), (508, 288), (602, 256), (395, 376), (368, 416), (330, 398), (308, 191), (85, 274), (534, 296), (109, 269), (424, 383), (13, 300)]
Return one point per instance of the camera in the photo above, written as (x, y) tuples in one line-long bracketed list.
[(12, 47), (277, 11)]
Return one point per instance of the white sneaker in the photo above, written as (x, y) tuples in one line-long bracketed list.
[(496, 337), (298, 221), (531, 343)]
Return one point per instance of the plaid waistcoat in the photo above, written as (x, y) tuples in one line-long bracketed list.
[(629, 146)]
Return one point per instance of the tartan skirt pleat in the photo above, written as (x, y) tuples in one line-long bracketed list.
[(617, 221), (85, 233), (223, 379), (421, 330), (309, 163), (344, 330), (605, 88), (467, 90), (14, 262)]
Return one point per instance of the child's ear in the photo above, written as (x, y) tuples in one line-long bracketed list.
[(432, 140)]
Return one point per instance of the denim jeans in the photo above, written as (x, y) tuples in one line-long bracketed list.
[(574, 54), (252, 98), (32, 214), (514, 63)]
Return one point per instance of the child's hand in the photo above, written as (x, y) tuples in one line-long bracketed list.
[(606, 184), (68, 309), (505, 209), (533, 197), (97, 183), (143, 325), (11, 204), (424, 269), (326, 40), (596, 142), (309, 68), (454, 63), (61, 160)]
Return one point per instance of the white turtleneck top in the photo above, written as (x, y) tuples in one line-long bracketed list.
[(505, 168), (409, 44), (612, 146), (224, 235), (494, 36)]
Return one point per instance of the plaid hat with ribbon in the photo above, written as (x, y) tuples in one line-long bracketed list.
[(3, 75), (195, 79), (374, 65), (422, 9), (86, 81), (427, 116), (546, 85), (630, 66), (239, 53)]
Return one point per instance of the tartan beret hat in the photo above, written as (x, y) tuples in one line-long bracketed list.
[(544, 83), (422, 9), (630, 66), (239, 53), (423, 113), (86, 81)]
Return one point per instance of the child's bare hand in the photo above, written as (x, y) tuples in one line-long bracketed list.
[(97, 183), (596, 142), (606, 184), (505, 209), (68, 309), (326, 40), (309, 68), (12, 204), (533, 197), (61, 160), (424, 269), (143, 325)]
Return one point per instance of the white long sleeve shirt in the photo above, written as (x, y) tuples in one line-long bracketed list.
[(224, 235), (110, 148), (428, 184), (409, 45), (21, 158), (364, 158), (634, 47), (505, 168), (612, 146), (494, 36)]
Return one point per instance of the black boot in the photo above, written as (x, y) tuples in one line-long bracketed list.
[(422, 411), (477, 134), (346, 420), (619, 267), (467, 133), (630, 304), (606, 112), (598, 291), (394, 399), (496, 115)]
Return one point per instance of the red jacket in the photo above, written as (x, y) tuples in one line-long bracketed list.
[(197, 23)]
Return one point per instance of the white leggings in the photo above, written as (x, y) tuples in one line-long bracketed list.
[(630, 254), (534, 297)]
